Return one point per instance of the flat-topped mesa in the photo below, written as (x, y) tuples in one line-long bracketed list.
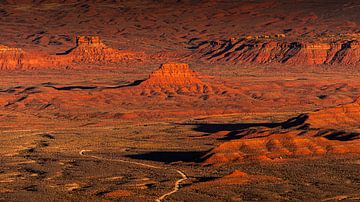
[(91, 50), (175, 77), (302, 52)]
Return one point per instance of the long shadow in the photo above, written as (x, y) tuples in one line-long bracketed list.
[(338, 135), (238, 131), (135, 83), (298, 121), (170, 156), (73, 87), (66, 52)]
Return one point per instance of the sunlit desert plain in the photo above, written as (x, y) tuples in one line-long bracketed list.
[(154, 100)]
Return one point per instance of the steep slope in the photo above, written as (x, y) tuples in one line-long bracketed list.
[(328, 131), (340, 117), (174, 78), (277, 147), (16, 58), (10, 58), (91, 50), (342, 50)]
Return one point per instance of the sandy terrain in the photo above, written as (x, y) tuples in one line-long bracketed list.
[(179, 100)]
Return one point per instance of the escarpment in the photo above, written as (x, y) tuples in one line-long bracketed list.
[(16, 58), (284, 51), (88, 50)]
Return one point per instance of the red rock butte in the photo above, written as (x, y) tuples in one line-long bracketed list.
[(91, 50), (175, 77)]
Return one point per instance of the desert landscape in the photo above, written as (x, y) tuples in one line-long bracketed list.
[(179, 100)]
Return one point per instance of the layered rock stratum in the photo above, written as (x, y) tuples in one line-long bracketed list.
[(88, 50), (277, 147), (17, 58), (300, 51), (331, 130), (91, 50), (174, 78)]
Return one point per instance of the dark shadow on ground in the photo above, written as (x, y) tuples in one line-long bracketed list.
[(65, 88), (73, 87), (135, 83), (66, 52), (298, 121), (240, 130), (338, 135), (170, 156)]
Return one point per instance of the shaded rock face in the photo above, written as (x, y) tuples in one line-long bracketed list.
[(174, 78), (346, 52)]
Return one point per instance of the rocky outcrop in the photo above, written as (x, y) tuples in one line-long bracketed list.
[(16, 58), (88, 50), (10, 58), (174, 78), (265, 51), (277, 147), (341, 117), (91, 50), (331, 130)]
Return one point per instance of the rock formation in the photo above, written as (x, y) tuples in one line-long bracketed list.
[(328, 131), (174, 78), (16, 58), (88, 50), (277, 147), (10, 58), (91, 50), (341, 117), (264, 51)]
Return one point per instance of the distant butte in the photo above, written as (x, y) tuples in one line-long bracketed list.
[(91, 50)]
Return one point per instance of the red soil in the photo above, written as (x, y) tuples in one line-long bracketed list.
[(235, 178), (340, 117), (277, 147), (119, 194)]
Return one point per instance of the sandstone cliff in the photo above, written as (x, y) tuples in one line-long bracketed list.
[(264, 51), (174, 78), (91, 50), (16, 58)]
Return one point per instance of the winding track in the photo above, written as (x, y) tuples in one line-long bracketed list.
[(162, 197)]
